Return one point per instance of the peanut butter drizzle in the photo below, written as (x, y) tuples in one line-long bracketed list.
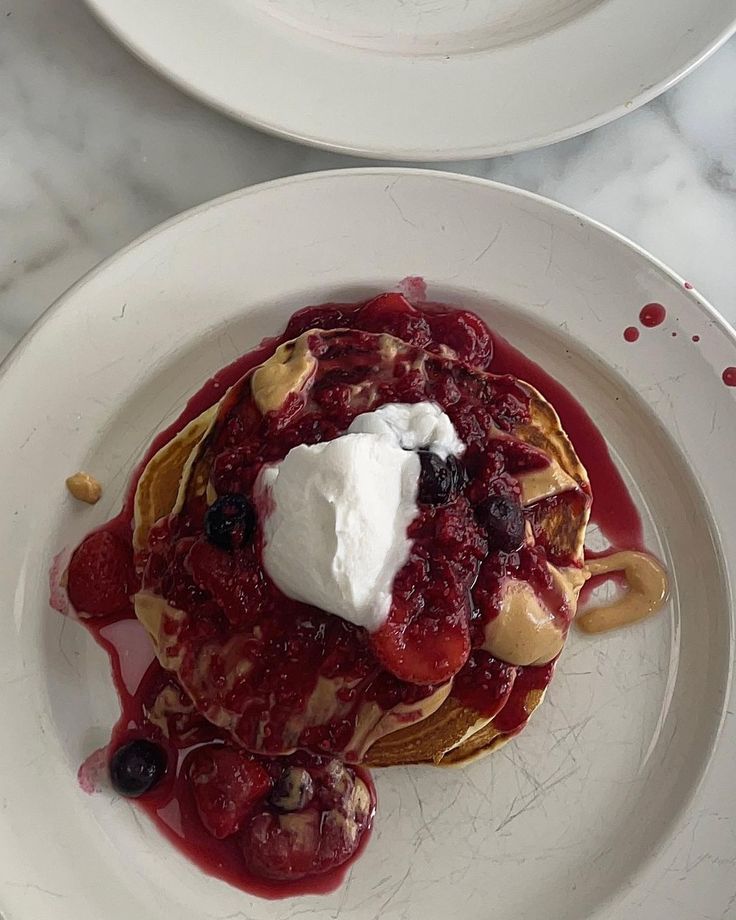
[(647, 591), (286, 371)]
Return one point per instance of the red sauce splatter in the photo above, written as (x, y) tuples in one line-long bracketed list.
[(58, 598), (653, 314), (631, 333), (696, 338), (414, 289), (674, 335), (688, 286), (729, 376)]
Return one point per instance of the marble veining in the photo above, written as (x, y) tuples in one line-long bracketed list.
[(95, 149)]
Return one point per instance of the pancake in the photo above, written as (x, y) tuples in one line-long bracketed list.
[(523, 613)]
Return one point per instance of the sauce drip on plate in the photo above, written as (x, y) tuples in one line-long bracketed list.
[(140, 680), (652, 314)]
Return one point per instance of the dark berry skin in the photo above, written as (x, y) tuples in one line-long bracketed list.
[(230, 521), (136, 767), (293, 791), (503, 520), (439, 480)]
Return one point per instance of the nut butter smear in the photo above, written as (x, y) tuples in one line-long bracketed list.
[(285, 372), (646, 591)]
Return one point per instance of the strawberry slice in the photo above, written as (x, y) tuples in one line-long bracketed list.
[(422, 649), (466, 334), (392, 313), (100, 577), (227, 783)]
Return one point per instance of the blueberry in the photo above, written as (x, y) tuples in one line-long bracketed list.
[(230, 521), (137, 767), (294, 790), (439, 480), (503, 520)]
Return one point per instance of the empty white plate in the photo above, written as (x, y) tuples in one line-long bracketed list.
[(423, 79)]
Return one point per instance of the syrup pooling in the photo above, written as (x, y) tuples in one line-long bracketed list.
[(223, 581)]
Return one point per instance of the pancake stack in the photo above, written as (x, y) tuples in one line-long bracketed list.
[(434, 725)]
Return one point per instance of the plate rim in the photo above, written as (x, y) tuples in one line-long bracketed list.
[(699, 301), (382, 151), (667, 274)]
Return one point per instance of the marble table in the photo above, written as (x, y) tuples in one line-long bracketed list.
[(95, 149)]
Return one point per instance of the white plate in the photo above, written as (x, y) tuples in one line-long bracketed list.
[(423, 79), (590, 813)]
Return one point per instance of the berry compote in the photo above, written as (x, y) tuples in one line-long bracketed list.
[(276, 804)]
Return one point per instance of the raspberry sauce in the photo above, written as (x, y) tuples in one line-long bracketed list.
[(155, 707), (613, 508), (140, 681)]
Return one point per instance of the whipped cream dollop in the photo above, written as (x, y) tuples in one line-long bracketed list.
[(336, 514), (413, 426)]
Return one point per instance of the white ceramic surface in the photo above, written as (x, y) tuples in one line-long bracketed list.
[(423, 79), (590, 813), (97, 148)]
